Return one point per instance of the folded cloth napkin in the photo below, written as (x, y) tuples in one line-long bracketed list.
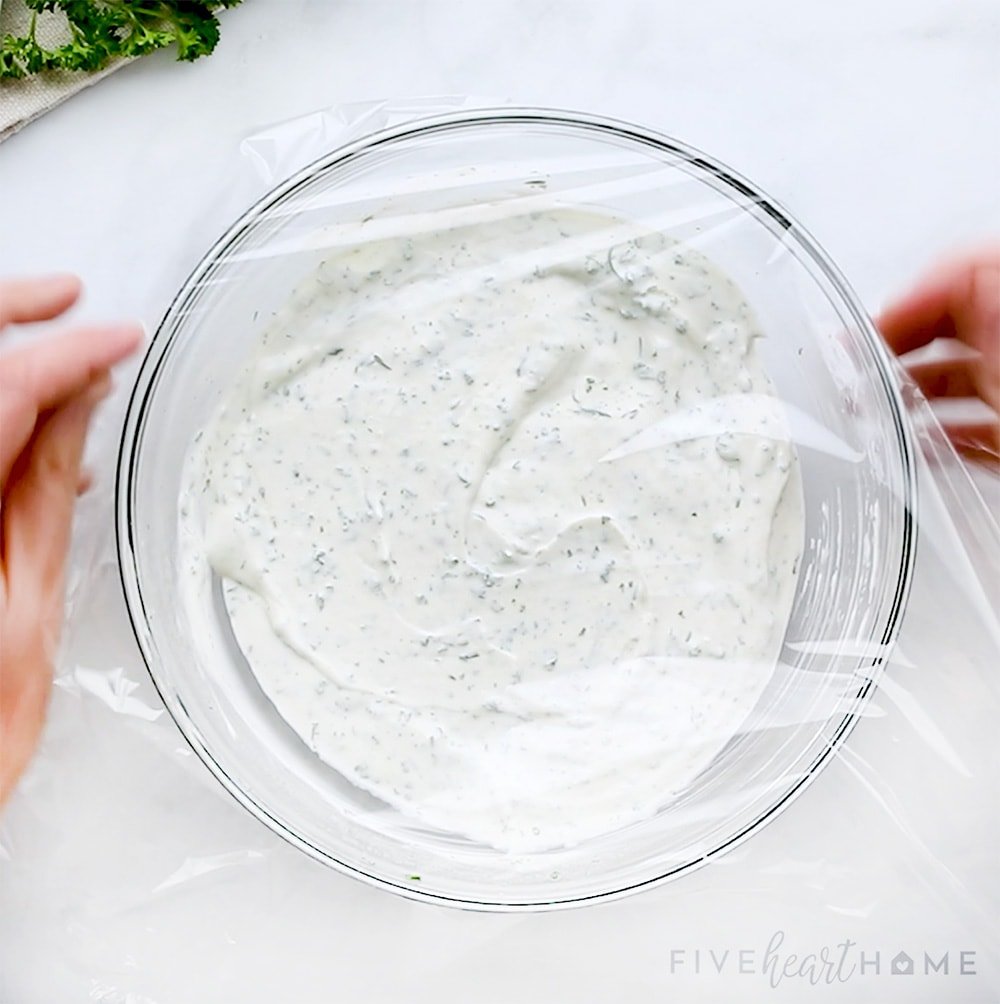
[(24, 100)]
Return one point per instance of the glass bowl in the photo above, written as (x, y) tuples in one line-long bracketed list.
[(830, 370)]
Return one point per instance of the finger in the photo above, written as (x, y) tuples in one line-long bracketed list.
[(959, 299), (17, 423), (39, 505), (18, 420), (41, 376), (922, 316), (54, 369), (25, 684), (38, 508), (945, 377), (37, 299), (85, 482)]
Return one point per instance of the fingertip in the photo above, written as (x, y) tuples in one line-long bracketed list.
[(63, 286), (916, 319), (38, 298), (67, 284), (59, 292), (117, 341), (131, 334), (141, 334)]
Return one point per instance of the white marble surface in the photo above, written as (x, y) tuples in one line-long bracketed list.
[(125, 873)]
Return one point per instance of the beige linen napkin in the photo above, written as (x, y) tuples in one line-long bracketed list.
[(24, 100)]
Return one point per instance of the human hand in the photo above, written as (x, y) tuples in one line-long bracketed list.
[(959, 301), (48, 392)]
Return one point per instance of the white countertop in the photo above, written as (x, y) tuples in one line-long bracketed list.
[(127, 875)]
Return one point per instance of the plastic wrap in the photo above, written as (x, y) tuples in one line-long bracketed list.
[(840, 847)]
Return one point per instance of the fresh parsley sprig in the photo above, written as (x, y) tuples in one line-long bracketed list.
[(103, 30)]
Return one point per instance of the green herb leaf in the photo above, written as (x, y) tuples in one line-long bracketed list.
[(103, 30)]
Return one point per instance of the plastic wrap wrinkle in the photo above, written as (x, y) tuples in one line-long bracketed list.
[(922, 723), (194, 868), (746, 414), (113, 688)]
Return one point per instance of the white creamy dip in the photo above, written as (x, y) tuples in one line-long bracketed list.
[(495, 532)]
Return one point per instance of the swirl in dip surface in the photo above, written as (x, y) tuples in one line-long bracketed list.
[(495, 534)]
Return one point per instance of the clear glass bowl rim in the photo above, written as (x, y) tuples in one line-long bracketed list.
[(156, 352)]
